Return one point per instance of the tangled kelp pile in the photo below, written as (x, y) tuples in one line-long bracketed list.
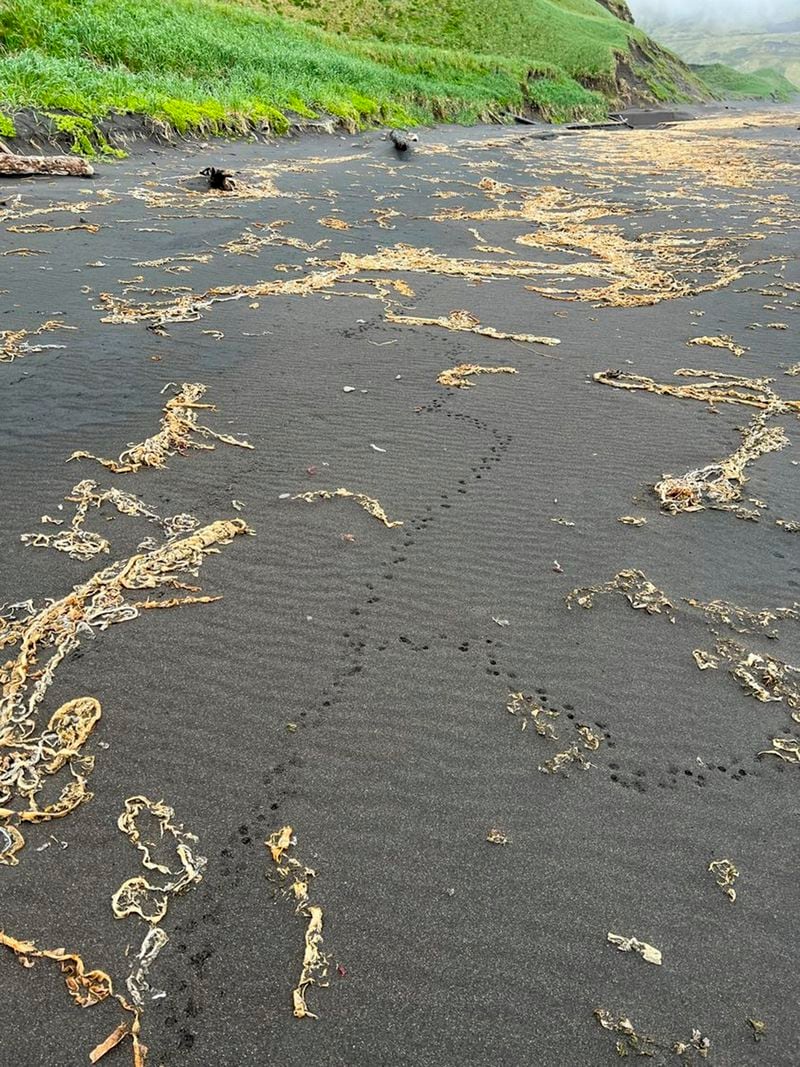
[(369, 504), (83, 544), (723, 341), (178, 425), (458, 377), (292, 879), (717, 485), (138, 895), (86, 988), (13, 343), (461, 320), (28, 759)]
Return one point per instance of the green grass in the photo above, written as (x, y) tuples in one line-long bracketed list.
[(211, 66), (730, 84)]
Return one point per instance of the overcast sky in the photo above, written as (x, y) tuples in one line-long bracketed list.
[(725, 11)]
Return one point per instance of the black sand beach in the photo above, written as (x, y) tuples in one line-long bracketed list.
[(353, 680)]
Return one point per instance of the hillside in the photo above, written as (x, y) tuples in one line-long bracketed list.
[(730, 84), (206, 65), (746, 36)]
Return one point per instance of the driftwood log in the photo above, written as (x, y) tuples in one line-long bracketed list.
[(55, 166)]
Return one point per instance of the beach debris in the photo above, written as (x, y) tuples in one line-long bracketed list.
[(461, 320), (761, 675), (56, 630), (542, 719), (138, 986), (459, 376), (717, 388), (759, 1028), (704, 660), (630, 1041), (13, 343), (723, 341), (501, 622), (743, 620), (643, 1045), (632, 520), (562, 521), (563, 759), (178, 424), (557, 567), (591, 740), (402, 139), (631, 944), (497, 837), (332, 223), (139, 896), (725, 874), (696, 1043), (219, 179), (86, 988), (83, 544), (634, 585), (719, 485), (785, 748), (376, 448), (368, 503), (348, 389), (293, 879), (45, 227), (29, 760), (52, 166)]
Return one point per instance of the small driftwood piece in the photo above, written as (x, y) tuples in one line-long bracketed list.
[(219, 179), (53, 166)]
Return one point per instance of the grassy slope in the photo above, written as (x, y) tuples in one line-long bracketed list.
[(732, 84), (744, 51), (211, 65)]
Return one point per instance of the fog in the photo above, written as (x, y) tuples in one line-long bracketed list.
[(755, 13)]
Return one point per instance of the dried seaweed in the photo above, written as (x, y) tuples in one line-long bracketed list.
[(465, 321), (631, 944), (717, 485), (758, 1027), (719, 388), (789, 525), (632, 520), (725, 874), (643, 1045), (563, 759), (83, 544), (723, 341), (786, 749), (56, 630), (86, 988), (138, 986), (542, 719), (332, 223), (138, 895), (631, 1041), (497, 837), (634, 585), (459, 377), (368, 503), (13, 343), (177, 426), (293, 878), (762, 676)]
